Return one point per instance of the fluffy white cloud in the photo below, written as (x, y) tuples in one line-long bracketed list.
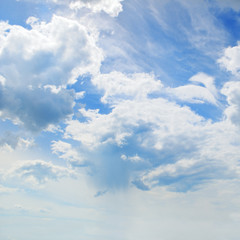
[(111, 7), (118, 86), (231, 62), (53, 53), (65, 151), (136, 102), (232, 91), (195, 93), (231, 59), (170, 144), (37, 64), (163, 118)]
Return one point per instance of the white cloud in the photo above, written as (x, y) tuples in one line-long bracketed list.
[(134, 159), (181, 147), (65, 151), (183, 167), (231, 59), (111, 7), (206, 80), (118, 86), (132, 108), (2, 80), (161, 116), (232, 91), (53, 53), (35, 172), (36, 66), (195, 93)]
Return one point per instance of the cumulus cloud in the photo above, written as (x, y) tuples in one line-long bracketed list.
[(53, 53), (159, 142), (232, 91), (111, 7), (230, 59), (117, 86), (133, 106), (36, 65), (158, 115)]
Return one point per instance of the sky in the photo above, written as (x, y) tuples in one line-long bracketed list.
[(119, 119)]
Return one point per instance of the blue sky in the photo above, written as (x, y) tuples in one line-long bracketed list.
[(119, 119)]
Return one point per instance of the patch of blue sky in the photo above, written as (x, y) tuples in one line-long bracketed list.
[(7, 124), (17, 12), (166, 51), (208, 111), (230, 22), (43, 143), (91, 98)]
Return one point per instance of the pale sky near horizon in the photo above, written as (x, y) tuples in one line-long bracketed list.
[(119, 119)]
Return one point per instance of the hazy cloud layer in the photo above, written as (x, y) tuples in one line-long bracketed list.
[(35, 172)]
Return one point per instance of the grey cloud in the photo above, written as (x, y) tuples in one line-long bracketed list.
[(36, 109)]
